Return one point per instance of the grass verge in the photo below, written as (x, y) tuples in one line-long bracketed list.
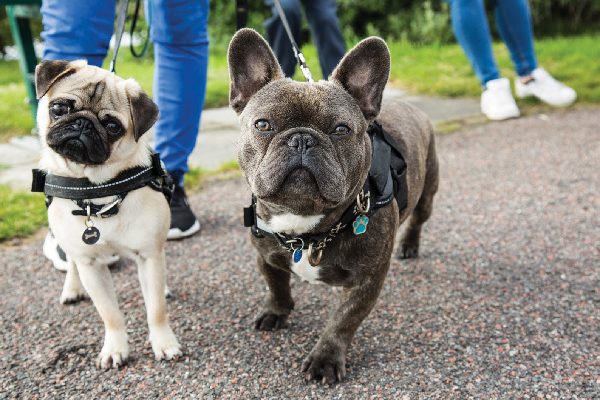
[(21, 213)]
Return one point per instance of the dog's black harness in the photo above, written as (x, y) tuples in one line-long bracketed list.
[(386, 181), (81, 190)]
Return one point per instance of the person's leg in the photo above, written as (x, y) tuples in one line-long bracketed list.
[(77, 29), (513, 20), (180, 36), (277, 36), (325, 27), (472, 32)]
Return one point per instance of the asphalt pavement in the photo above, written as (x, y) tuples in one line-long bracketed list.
[(503, 302)]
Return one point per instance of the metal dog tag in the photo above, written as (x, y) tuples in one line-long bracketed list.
[(91, 235)]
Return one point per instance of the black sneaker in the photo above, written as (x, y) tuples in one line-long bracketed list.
[(183, 220)]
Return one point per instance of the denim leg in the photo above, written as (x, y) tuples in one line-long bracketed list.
[(325, 27), (180, 36), (472, 31), (277, 36), (513, 20), (77, 29)]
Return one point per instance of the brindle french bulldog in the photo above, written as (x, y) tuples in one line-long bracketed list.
[(306, 154)]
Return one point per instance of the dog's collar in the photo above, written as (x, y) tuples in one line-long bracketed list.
[(81, 191), (386, 181)]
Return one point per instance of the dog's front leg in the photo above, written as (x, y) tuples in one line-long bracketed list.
[(327, 360), (98, 283), (72, 290), (152, 275), (279, 303)]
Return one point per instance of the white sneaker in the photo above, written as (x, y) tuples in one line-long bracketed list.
[(546, 88), (497, 102), (54, 253), (59, 258)]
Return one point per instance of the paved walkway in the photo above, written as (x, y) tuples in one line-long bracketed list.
[(218, 137), (503, 303)]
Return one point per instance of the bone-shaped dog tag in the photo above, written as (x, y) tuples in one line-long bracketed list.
[(91, 235)]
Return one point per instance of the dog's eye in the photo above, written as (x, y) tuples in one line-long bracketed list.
[(341, 130), (113, 126), (263, 125), (59, 109)]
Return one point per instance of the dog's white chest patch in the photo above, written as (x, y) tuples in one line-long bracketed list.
[(304, 270), (292, 223)]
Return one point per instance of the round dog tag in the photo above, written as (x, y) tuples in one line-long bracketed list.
[(91, 235)]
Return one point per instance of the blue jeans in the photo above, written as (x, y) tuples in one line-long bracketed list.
[(513, 20), (81, 29), (325, 28)]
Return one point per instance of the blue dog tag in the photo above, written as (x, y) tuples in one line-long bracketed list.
[(359, 226), (297, 255)]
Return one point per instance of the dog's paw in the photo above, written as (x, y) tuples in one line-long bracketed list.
[(114, 352), (268, 321), (409, 250), (164, 344), (72, 296), (328, 366)]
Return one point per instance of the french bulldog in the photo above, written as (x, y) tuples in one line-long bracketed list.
[(91, 125), (305, 153)]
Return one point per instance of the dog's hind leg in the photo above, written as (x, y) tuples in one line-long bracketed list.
[(412, 235), (279, 304), (72, 290), (98, 283), (152, 275)]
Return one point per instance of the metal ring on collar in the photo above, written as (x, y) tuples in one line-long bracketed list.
[(360, 199), (314, 259), (297, 241)]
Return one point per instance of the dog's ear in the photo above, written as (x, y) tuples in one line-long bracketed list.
[(48, 72), (252, 65), (144, 112), (364, 72)]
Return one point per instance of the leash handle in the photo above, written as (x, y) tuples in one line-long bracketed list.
[(297, 53), (122, 14)]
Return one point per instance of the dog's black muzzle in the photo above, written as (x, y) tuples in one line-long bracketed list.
[(79, 141)]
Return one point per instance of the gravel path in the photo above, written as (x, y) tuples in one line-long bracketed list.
[(504, 301)]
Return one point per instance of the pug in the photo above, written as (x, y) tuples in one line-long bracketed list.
[(92, 125), (306, 155)]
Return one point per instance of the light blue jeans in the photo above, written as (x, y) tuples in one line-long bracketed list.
[(81, 29), (513, 20)]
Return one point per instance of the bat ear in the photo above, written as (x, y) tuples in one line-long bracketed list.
[(48, 72), (144, 112), (364, 72), (252, 65)]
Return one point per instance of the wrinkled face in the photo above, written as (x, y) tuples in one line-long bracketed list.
[(90, 111), (304, 146)]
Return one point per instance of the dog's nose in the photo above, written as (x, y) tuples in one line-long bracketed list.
[(302, 141), (83, 125)]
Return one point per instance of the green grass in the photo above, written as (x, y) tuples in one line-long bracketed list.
[(197, 176), (21, 213), (444, 70), (440, 70)]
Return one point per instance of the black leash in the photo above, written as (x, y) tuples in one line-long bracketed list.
[(120, 29), (241, 13), (297, 53), (132, 29)]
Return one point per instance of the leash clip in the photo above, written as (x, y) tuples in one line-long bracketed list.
[(363, 202)]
